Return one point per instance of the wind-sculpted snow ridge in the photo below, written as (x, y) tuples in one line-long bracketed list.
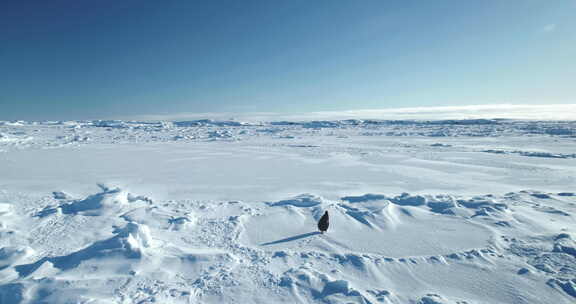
[(113, 246)]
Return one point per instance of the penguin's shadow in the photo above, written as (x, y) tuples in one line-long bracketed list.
[(292, 238)]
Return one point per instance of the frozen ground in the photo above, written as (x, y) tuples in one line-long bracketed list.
[(459, 211)]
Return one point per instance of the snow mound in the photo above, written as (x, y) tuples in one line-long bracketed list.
[(222, 134), (137, 238), (364, 198), (443, 204), (303, 200), (16, 137), (315, 286), (5, 209), (436, 299), (6, 138), (108, 201), (405, 199), (130, 242), (181, 222), (564, 243), (11, 255), (566, 285), (61, 195), (413, 230), (552, 256)]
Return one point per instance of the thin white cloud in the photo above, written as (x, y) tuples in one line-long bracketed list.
[(532, 112), (549, 28)]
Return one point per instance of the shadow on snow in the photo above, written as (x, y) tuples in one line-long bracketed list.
[(292, 238)]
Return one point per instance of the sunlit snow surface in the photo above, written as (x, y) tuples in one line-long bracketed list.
[(459, 211)]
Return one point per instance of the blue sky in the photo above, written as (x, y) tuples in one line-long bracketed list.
[(108, 59)]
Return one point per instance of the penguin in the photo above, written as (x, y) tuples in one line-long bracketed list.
[(324, 222)]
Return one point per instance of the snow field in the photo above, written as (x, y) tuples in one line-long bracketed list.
[(182, 252), (225, 212)]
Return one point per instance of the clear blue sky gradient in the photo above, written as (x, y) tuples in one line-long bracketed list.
[(98, 59)]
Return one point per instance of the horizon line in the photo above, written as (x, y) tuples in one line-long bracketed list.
[(542, 112)]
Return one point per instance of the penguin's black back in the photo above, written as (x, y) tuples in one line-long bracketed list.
[(324, 222)]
